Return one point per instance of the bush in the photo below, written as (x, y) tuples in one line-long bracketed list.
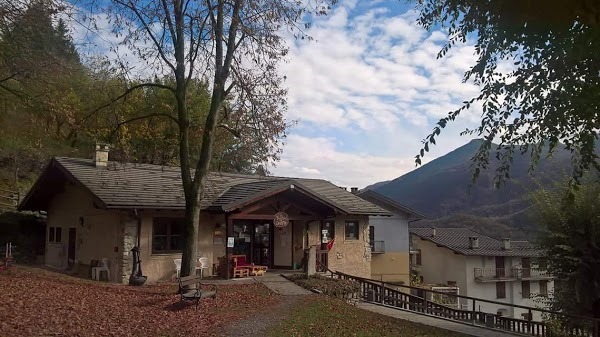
[(329, 286)]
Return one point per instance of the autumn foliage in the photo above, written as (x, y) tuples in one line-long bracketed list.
[(36, 302)]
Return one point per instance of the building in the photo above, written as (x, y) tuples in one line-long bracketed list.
[(505, 271), (99, 209), (389, 238)]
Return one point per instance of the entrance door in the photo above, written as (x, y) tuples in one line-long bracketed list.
[(526, 267), (71, 247), (500, 272), (253, 239), (262, 244), (282, 246)]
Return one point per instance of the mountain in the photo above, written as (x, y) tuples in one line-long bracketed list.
[(443, 189)]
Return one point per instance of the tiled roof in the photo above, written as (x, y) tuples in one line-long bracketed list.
[(457, 240), (388, 203), (129, 185)]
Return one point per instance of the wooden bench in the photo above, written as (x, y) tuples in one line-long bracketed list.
[(194, 294)]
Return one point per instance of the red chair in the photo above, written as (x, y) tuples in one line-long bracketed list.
[(240, 264)]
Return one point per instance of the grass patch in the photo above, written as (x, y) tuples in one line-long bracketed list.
[(326, 285), (319, 315)]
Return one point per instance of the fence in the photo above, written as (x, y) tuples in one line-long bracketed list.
[(391, 294)]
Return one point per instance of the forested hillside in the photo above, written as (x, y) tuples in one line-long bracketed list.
[(56, 102), (444, 190)]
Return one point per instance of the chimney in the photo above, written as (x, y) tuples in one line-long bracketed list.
[(473, 242), (354, 190), (101, 155), (433, 232), (506, 243), (342, 187)]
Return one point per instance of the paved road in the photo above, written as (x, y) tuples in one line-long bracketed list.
[(280, 285), (431, 321)]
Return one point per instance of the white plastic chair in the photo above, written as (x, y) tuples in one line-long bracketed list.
[(177, 263), (97, 271), (203, 265)]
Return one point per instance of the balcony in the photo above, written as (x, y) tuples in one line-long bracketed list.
[(377, 247), (509, 274)]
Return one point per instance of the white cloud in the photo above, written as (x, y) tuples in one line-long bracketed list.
[(367, 92)]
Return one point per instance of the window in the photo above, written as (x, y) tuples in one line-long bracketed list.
[(500, 289), (54, 234), (544, 288), (167, 235), (542, 264), (327, 231), (371, 233), (525, 289), (351, 230), (418, 262)]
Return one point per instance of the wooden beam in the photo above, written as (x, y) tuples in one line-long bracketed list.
[(265, 217), (255, 207), (228, 250)]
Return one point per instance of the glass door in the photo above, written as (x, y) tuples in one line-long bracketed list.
[(262, 244)]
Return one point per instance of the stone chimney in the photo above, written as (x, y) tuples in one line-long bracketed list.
[(433, 232), (354, 190), (473, 242), (506, 243), (101, 155)]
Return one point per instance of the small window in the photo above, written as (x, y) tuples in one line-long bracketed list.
[(544, 288), (327, 231), (167, 235), (351, 230), (525, 289), (54, 234), (500, 289), (418, 262)]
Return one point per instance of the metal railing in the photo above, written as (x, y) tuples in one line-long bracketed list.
[(322, 263), (377, 247), (402, 297), (491, 274)]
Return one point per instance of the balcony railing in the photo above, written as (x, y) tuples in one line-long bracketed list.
[(377, 247), (533, 273), (494, 274)]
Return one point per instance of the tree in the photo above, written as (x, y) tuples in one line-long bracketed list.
[(570, 217), (551, 95), (235, 46)]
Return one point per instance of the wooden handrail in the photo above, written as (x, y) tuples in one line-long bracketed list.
[(535, 328)]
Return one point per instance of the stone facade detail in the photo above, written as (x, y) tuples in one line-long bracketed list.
[(129, 240), (351, 256)]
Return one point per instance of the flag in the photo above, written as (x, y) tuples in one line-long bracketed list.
[(330, 244)]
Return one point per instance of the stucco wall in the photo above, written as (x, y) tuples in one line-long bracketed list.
[(393, 265), (97, 237), (440, 265), (161, 266)]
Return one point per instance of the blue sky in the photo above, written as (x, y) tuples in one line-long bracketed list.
[(365, 92)]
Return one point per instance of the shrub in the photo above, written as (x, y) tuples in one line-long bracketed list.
[(329, 286)]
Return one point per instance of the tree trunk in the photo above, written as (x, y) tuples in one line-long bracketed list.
[(190, 244)]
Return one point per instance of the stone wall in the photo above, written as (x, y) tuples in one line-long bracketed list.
[(347, 256), (128, 238)]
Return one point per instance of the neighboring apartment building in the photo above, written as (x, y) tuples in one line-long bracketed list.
[(389, 238), (499, 270)]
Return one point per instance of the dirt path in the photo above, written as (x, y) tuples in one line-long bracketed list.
[(258, 325)]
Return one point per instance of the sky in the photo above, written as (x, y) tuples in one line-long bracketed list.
[(365, 92)]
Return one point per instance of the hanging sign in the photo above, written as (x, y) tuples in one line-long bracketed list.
[(281, 219)]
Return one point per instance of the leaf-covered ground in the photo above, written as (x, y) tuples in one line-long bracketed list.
[(35, 302), (322, 316)]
